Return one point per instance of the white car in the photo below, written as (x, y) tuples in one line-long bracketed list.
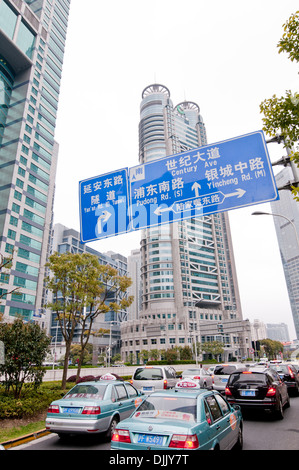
[(148, 379), (222, 373), (200, 375)]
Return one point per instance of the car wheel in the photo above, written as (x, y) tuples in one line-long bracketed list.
[(279, 412), (110, 430), (239, 443)]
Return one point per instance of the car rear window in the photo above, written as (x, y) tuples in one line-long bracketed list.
[(153, 373), (279, 368), (248, 377), (87, 391), (226, 370), (183, 408)]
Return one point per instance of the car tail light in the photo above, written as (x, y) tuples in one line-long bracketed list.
[(228, 392), (183, 441), (271, 392), (291, 372), (53, 409), (197, 377), (121, 435), (91, 410), (165, 384)]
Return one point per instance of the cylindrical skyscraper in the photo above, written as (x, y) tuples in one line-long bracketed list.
[(190, 289)]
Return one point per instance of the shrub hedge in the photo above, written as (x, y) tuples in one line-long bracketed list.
[(31, 403)]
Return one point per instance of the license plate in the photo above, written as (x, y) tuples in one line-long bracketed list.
[(148, 389), (247, 393), (71, 410), (150, 439), (224, 380)]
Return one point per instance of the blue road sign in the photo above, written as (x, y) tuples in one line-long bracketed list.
[(214, 178), (103, 204)]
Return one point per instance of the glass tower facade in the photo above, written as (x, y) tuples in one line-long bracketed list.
[(188, 272), (287, 231), (32, 43)]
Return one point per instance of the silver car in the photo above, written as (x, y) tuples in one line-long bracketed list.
[(92, 407), (200, 375), (151, 378), (221, 375)]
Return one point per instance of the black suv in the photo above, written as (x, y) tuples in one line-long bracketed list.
[(289, 374), (258, 389)]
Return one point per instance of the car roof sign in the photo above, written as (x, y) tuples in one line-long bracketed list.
[(108, 377), (187, 384)]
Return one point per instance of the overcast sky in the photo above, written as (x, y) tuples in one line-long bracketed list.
[(222, 55)]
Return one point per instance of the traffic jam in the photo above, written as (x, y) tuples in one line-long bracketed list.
[(202, 408)]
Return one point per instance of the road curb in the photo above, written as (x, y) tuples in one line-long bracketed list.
[(24, 439)]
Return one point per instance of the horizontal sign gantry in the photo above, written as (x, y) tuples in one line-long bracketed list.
[(214, 178)]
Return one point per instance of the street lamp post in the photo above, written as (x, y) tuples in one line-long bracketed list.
[(279, 215)]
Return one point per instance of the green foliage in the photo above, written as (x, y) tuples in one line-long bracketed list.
[(271, 347), (281, 115), (31, 403), (289, 42), (82, 289), (213, 347), (26, 346)]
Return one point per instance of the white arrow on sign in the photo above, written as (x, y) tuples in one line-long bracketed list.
[(104, 217), (239, 193), (160, 210), (195, 187)]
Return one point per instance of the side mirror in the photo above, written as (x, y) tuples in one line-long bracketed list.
[(236, 407)]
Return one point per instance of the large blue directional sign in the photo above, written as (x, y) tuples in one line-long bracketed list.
[(104, 206), (213, 178)]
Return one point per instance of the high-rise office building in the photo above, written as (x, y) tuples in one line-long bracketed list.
[(32, 43), (189, 282), (287, 230)]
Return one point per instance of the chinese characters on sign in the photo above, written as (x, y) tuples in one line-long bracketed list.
[(214, 178), (104, 205)]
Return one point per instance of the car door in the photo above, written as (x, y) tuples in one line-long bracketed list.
[(134, 398), (220, 428), (123, 401)]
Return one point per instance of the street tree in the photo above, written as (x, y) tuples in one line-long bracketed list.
[(5, 266), (82, 290), (26, 347), (281, 114), (271, 347), (215, 348)]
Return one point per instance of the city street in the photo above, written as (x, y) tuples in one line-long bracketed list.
[(261, 432)]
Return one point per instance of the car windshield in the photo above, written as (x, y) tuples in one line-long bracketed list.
[(182, 408), (225, 370), (153, 373), (87, 391), (248, 378)]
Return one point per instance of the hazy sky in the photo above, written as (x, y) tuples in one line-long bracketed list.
[(221, 55)]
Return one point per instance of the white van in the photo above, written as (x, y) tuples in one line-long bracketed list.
[(151, 378)]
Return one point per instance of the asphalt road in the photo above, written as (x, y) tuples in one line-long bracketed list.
[(261, 432)]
